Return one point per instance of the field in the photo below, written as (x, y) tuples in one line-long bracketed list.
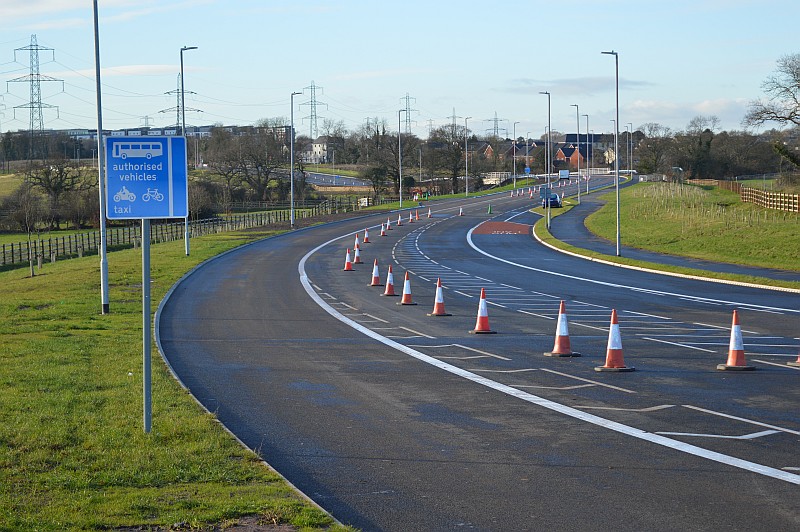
[(73, 454), (704, 223)]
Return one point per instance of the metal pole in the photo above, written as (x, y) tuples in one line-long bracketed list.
[(291, 160), (514, 140), (466, 158), (400, 156), (549, 156), (146, 341), (588, 154), (616, 144), (630, 150), (578, 120), (101, 172), (183, 132)]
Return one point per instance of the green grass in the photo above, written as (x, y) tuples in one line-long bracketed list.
[(710, 224), (9, 183), (73, 454)]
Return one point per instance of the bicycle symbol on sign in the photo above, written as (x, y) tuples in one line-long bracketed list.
[(152, 194)]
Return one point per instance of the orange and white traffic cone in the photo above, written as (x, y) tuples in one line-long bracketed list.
[(416, 215), (388, 224), (410, 217), (357, 256), (736, 360), (530, 194), (429, 212), (399, 220), (795, 363), (376, 277), (366, 236), (614, 358), (357, 243), (383, 230), (348, 265), (406, 299), (438, 305), (562, 347), (389, 291), (482, 323), (460, 211)]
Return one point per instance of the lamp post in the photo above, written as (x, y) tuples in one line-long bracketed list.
[(514, 157), (616, 143), (630, 150), (183, 132), (400, 156), (578, 120), (549, 155), (588, 154), (291, 159), (466, 158)]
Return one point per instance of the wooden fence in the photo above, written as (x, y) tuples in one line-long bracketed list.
[(762, 198)]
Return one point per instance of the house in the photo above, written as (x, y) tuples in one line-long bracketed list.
[(571, 155), (319, 151)]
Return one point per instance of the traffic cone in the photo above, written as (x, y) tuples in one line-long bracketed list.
[(512, 193), (406, 299), (736, 349), (356, 244), (562, 348), (383, 230), (399, 221), (614, 358), (482, 323), (388, 224), (795, 363), (460, 211), (376, 279), (438, 305), (429, 212), (357, 256), (348, 266), (366, 236), (416, 215), (389, 291), (530, 194), (410, 217)]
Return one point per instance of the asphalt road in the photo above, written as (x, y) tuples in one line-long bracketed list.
[(394, 420)]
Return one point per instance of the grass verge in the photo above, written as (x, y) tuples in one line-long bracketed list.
[(704, 223), (73, 454)]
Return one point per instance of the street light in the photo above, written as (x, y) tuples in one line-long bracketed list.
[(183, 132), (514, 157), (549, 157), (291, 159), (578, 120), (400, 156), (466, 159), (630, 150), (588, 154), (616, 142), (100, 172)]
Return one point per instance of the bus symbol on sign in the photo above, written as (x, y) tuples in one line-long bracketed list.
[(138, 150)]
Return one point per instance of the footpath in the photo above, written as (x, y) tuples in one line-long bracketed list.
[(570, 229)]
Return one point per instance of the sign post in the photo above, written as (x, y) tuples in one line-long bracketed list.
[(146, 178)]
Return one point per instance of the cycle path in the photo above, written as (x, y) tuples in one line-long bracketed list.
[(571, 229)]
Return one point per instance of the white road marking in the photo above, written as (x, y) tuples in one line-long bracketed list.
[(744, 420), (720, 436), (596, 383), (648, 409), (561, 388), (778, 365), (679, 345)]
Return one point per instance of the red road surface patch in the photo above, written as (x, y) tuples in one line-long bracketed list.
[(502, 228)]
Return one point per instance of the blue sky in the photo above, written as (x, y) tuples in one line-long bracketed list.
[(677, 60)]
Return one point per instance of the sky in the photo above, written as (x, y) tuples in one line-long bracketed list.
[(483, 60)]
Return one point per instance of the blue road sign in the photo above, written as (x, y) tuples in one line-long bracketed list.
[(527, 169), (146, 178)]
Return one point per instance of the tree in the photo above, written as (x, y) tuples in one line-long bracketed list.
[(783, 91), (27, 211), (225, 163), (655, 148), (446, 148), (55, 177)]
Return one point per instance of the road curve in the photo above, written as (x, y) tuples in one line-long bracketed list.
[(385, 441)]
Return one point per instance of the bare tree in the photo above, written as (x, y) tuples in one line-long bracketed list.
[(56, 177), (783, 95), (655, 148), (28, 212)]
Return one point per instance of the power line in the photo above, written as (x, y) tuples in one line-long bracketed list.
[(407, 99), (313, 127)]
